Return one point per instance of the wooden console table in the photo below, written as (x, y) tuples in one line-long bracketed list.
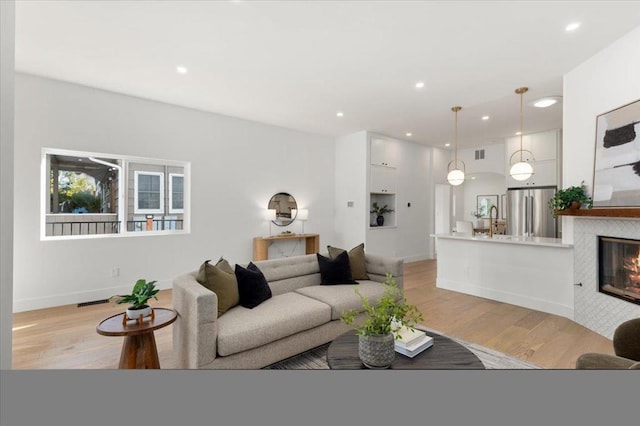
[(261, 244)]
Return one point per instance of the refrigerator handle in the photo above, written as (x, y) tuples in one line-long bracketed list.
[(531, 210), (526, 215)]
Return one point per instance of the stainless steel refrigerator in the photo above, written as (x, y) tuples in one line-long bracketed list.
[(528, 212)]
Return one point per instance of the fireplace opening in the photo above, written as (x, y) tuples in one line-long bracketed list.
[(619, 268)]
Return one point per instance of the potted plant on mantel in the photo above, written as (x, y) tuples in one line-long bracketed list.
[(381, 324), (571, 198), (140, 294), (379, 212)]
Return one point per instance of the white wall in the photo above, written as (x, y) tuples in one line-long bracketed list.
[(235, 164), (493, 159), (351, 185), (483, 184), (606, 81), (417, 222), (7, 37)]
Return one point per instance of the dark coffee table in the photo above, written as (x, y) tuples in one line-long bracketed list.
[(445, 354)]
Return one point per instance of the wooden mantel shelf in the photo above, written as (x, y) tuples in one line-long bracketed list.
[(602, 212)]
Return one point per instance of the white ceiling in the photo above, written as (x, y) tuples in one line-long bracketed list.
[(295, 64)]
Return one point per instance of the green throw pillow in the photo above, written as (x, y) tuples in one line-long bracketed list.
[(221, 279), (356, 260)]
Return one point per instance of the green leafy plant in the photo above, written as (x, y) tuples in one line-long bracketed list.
[(390, 314), (375, 208), (564, 197), (140, 294)]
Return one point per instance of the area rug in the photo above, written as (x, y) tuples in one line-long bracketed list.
[(316, 359)]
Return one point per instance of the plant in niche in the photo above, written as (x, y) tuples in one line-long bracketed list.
[(570, 198), (389, 316), (379, 212), (140, 294)]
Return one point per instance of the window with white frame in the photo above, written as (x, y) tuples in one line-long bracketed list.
[(148, 192), (176, 193), (89, 195)]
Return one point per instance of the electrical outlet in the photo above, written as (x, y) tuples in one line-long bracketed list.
[(115, 272)]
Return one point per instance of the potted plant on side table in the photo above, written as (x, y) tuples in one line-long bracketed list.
[(140, 294), (379, 212), (381, 324), (571, 198)]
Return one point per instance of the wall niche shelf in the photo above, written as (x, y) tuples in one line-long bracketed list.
[(630, 212)]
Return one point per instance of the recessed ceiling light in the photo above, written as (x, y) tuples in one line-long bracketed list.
[(546, 102), (572, 27), (420, 85), (518, 133), (339, 114), (181, 69), (447, 144), (409, 134), (473, 178), (485, 117)]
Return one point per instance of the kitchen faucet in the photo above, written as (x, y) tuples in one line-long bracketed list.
[(491, 223)]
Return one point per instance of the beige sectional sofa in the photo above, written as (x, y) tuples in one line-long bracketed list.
[(301, 314)]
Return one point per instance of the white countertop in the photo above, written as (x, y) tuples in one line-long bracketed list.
[(507, 239)]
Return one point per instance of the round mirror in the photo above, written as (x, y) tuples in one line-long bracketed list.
[(284, 205)]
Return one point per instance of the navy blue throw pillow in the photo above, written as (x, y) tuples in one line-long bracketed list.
[(253, 288), (335, 271)]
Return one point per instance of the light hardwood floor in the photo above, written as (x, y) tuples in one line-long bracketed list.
[(65, 337)]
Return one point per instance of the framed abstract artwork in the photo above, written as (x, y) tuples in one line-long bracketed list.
[(484, 203), (616, 174)]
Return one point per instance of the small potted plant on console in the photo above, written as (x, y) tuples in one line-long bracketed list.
[(140, 294)]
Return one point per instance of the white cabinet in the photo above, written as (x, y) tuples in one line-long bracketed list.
[(384, 152), (544, 174), (383, 180), (382, 241), (544, 146)]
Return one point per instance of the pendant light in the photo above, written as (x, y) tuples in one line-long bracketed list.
[(455, 176), (522, 170)]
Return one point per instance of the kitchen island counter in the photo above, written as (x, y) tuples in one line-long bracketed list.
[(533, 272), (508, 239)]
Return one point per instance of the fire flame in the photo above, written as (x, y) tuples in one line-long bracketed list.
[(632, 264)]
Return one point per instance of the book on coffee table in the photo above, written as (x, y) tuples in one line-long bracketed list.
[(407, 337), (416, 347)]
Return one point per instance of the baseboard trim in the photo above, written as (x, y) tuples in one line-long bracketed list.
[(506, 297), (22, 305)]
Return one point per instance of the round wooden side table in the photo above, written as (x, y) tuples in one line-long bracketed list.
[(139, 348)]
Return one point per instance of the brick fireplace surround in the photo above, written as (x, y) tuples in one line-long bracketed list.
[(597, 311)]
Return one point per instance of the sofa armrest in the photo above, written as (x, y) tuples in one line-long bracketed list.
[(195, 330), (378, 266)]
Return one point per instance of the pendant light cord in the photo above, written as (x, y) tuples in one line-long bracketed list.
[(521, 92), (521, 135)]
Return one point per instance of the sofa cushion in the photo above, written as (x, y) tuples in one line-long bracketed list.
[(335, 271), (252, 286), (356, 260), (282, 315), (344, 297), (221, 279)]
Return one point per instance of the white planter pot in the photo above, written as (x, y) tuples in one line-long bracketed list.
[(135, 313)]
